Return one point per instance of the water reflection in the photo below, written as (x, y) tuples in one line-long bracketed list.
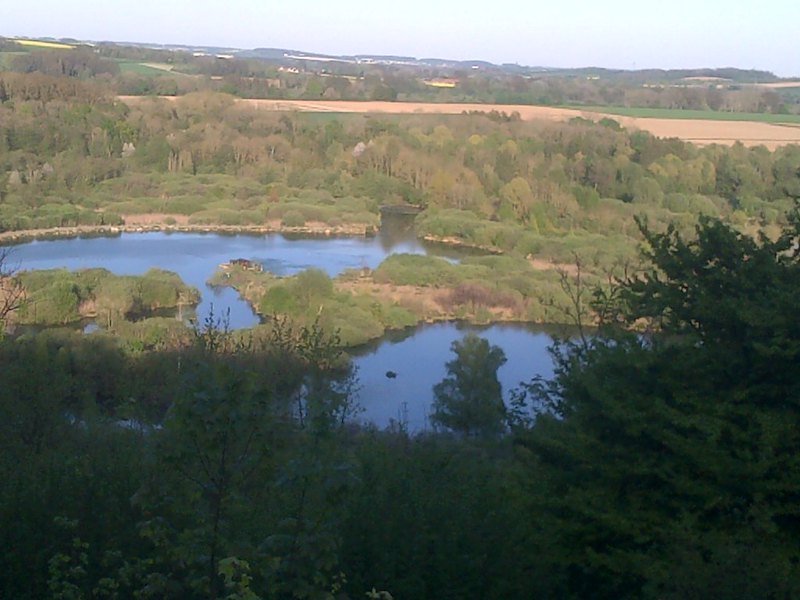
[(417, 357), (397, 229), (196, 256)]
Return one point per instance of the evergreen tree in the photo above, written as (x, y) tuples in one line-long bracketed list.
[(670, 462)]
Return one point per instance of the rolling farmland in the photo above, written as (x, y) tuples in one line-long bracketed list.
[(701, 131)]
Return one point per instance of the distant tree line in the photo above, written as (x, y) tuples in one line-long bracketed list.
[(71, 154), (251, 76), (79, 63)]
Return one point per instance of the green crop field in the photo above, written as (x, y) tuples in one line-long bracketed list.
[(140, 69), (667, 113)]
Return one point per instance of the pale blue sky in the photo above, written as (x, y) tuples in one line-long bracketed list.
[(561, 33)]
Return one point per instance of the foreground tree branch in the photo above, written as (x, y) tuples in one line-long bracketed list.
[(12, 294)]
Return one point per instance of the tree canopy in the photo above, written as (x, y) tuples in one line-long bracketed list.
[(663, 463), (668, 465), (469, 399)]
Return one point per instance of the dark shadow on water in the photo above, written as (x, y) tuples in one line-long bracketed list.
[(397, 228), (397, 373)]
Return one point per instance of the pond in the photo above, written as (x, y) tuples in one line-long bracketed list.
[(418, 356), (196, 256)]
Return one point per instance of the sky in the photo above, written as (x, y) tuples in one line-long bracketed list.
[(629, 34)]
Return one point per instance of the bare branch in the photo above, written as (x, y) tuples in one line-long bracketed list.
[(573, 286), (12, 294)]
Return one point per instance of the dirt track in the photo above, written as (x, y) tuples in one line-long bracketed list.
[(701, 132)]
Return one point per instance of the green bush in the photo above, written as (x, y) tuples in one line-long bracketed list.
[(397, 317), (313, 284), (278, 300), (413, 269), (154, 333), (585, 196), (355, 324), (293, 218), (460, 224), (52, 297), (60, 296)]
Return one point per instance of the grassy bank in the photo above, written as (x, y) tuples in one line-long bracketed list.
[(213, 200), (310, 229), (59, 297), (407, 290)]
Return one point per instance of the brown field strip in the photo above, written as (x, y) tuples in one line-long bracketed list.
[(698, 131), (779, 85), (704, 132)]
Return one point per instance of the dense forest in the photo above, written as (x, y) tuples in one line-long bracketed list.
[(156, 460), (72, 155), (655, 465)]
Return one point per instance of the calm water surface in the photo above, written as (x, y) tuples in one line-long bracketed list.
[(196, 256), (418, 356)]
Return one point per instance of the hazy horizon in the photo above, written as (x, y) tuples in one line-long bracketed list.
[(620, 34)]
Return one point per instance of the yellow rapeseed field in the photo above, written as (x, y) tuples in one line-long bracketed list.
[(52, 45)]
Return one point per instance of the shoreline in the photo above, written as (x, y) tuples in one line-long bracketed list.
[(10, 238), (21, 236), (455, 242)]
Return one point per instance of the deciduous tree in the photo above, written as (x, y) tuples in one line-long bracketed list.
[(469, 399)]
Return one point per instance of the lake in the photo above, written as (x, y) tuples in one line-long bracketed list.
[(418, 356), (196, 256)]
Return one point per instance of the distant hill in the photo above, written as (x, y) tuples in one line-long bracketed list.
[(667, 75), (176, 47), (671, 75), (286, 56)]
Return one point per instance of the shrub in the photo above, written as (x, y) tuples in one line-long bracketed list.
[(587, 197), (397, 317), (293, 218), (53, 297), (313, 283), (278, 300), (355, 324), (477, 295), (412, 269)]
